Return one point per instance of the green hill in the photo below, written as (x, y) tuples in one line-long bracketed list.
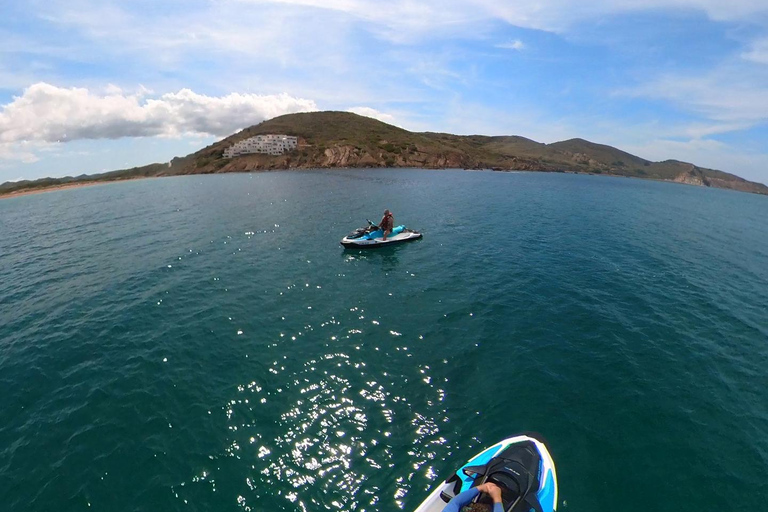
[(343, 139)]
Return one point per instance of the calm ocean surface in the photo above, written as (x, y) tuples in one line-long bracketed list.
[(203, 343)]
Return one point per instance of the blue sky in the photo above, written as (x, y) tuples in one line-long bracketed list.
[(93, 86)]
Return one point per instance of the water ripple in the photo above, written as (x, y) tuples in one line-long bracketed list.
[(203, 343)]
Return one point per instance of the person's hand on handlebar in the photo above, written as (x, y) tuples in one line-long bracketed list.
[(492, 489)]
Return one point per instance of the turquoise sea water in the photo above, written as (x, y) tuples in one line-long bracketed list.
[(203, 343)]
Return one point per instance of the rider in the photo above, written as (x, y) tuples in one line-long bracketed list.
[(387, 223), (466, 497)]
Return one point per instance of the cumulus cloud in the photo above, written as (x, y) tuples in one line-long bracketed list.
[(47, 113), (372, 112)]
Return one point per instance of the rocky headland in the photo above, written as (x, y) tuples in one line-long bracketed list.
[(343, 139)]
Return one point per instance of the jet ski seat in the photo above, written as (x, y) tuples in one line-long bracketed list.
[(516, 471)]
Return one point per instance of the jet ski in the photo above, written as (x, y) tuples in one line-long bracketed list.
[(520, 465), (372, 236)]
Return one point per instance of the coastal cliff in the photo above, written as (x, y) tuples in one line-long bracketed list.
[(343, 139), (693, 176)]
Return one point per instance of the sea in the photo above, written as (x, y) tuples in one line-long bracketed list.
[(203, 343)]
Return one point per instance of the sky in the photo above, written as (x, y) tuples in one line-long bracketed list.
[(92, 86)]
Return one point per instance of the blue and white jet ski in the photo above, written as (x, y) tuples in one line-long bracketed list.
[(520, 465), (372, 236)]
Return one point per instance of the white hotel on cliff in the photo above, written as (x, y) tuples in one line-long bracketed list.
[(270, 144)]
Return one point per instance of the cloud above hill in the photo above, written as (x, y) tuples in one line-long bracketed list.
[(372, 112), (47, 113)]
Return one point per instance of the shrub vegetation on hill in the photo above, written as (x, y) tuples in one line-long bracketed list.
[(343, 139)]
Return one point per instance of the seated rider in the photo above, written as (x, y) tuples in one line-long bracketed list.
[(463, 501), (387, 223)]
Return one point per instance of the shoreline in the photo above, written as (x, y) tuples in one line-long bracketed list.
[(56, 188)]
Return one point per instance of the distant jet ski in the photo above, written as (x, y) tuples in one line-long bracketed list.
[(520, 465), (372, 236)]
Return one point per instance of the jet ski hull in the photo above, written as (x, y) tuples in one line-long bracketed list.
[(375, 239), (459, 481)]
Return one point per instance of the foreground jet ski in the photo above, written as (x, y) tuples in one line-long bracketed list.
[(372, 236), (520, 465)]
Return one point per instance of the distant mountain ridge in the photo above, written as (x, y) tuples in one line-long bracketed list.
[(343, 139)]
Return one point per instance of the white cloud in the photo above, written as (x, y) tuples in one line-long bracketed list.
[(758, 52), (227, 30), (512, 45), (251, 26), (695, 150), (24, 152), (275, 30), (253, 34), (730, 96), (49, 113), (560, 15), (406, 18), (702, 130), (399, 21), (372, 112), (13, 153)]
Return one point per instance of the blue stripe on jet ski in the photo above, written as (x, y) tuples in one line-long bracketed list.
[(547, 494), (379, 233)]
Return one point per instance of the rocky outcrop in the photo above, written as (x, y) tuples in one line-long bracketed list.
[(352, 156), (344, 156), (692, 176), (581, 158)]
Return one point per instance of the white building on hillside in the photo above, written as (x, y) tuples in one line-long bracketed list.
[(270, 144)]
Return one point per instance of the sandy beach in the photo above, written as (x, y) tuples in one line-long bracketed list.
[(63, 187)]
